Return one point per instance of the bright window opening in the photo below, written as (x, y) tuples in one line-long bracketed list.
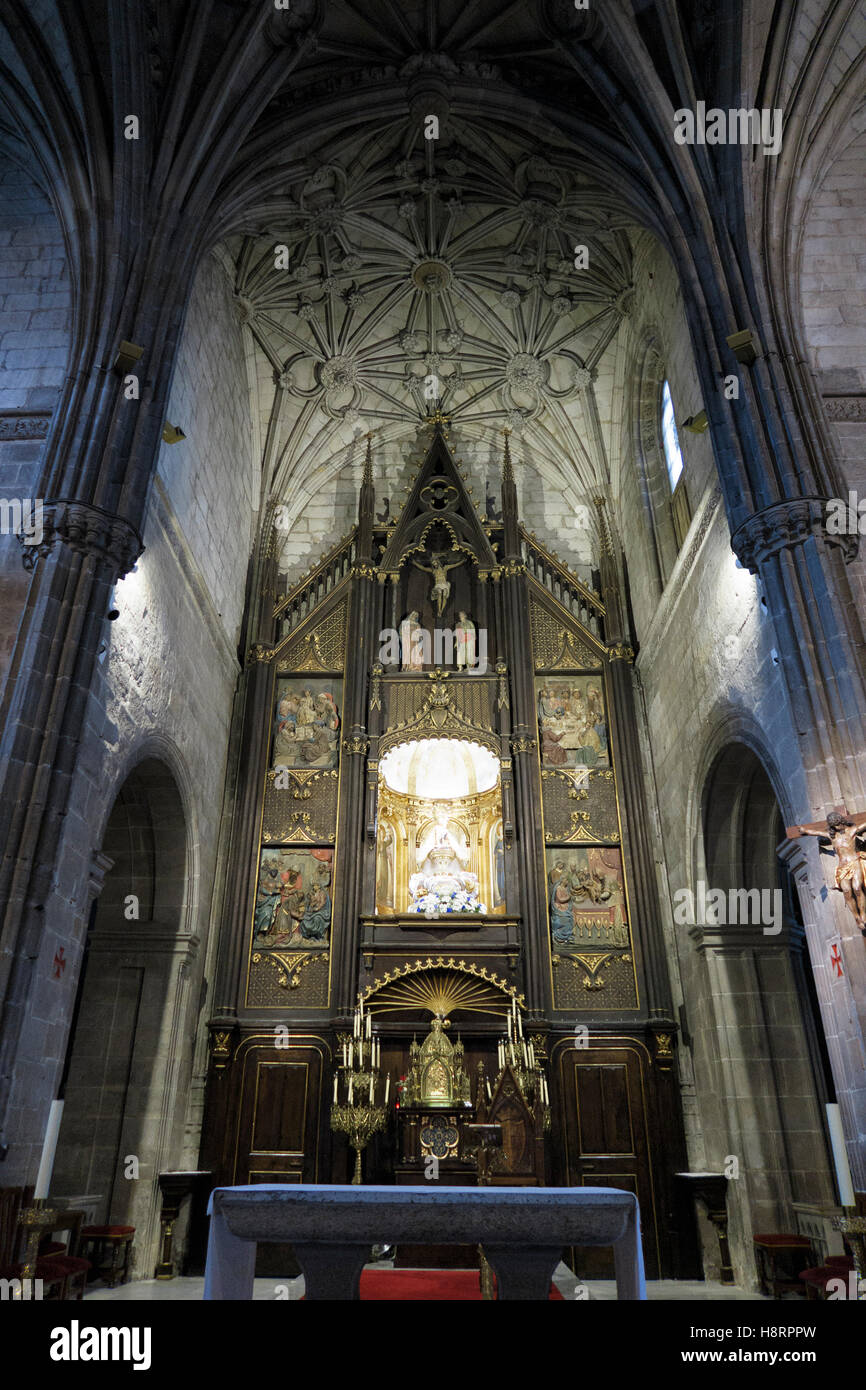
[(673, 456)]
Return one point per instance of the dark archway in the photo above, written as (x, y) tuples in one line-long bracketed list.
[(763, 1049), (122, 1069)]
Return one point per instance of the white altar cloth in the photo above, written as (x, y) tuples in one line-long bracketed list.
[(523, 1231)]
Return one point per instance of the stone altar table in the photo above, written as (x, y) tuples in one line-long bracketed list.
[(523, 1231)]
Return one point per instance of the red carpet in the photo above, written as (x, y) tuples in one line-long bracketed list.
[(412, 1285)]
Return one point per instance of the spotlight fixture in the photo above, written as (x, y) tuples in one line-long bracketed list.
[(745, 347), (172, 434), (127, 356), (113, 614), (697, 424)]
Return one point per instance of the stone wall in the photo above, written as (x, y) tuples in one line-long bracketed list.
[(35, 322), (163, 691)]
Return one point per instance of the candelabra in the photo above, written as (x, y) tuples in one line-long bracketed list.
[(514, 1052), (358, 1086)]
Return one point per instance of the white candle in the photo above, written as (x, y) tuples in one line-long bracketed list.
[(350, 1090), (49, 1148), (489, 1092), (520, 1024), (351, 1054), (335, 1088), (387, 1088), (345, 1052), (531, 1056), (840, 1157), (371, 1090), (369, 1026), (525, 1056)]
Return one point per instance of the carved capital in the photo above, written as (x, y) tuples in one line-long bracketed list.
[(260, 652), (782, 526), (620, 651), (355, 745), (86, 530), (523, 745), (220, 1048)]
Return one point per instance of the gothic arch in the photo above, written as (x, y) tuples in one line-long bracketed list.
[(129, 1055), (652, 472)]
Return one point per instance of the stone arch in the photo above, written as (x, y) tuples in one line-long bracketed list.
[(654, 487), (130, 1047), (760, 1060)]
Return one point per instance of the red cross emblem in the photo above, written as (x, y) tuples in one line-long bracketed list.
[(836, 960), (59, 963)]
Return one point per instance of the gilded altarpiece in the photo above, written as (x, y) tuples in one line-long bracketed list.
[(289, 950), (439, 811), (592, 958)]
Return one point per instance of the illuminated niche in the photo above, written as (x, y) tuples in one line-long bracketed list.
[(440, 815)]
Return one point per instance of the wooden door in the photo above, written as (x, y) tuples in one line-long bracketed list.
[(605, 1138), (279, 1115)]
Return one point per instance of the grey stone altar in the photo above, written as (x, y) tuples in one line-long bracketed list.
[(332, 1228)]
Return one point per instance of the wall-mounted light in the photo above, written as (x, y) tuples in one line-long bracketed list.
[(745, 347), (697, 424), (172, 434), (127, 356)]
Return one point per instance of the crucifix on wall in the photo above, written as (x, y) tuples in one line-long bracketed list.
[(842, 832)]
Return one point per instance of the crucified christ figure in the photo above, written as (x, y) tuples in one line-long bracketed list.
[(438, 567), (843, 833)]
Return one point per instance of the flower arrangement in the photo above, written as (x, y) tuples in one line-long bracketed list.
[(438, 904)]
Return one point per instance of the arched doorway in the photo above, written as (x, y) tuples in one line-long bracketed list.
[(128, 1049), (760, 1055)]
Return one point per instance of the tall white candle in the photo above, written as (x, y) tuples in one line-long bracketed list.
[(351, 1054), (371, 1090), (335, 1088), (520, 1024), (350, 1090), (369, 1026), (840, 1157), (49, 1148), (387, 1088)]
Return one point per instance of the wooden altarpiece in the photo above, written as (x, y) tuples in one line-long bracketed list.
[(314, 914)]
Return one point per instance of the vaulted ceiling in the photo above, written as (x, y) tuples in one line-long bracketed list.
[(440, 270)]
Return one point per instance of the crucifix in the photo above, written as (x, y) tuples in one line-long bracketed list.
[(438, 567), (842, 833)]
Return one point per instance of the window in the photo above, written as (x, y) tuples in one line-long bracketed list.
[(673, 457)]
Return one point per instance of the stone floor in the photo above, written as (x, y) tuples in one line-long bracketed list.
[(270, 1290)]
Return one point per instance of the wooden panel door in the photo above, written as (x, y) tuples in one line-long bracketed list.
[(605, 1138), (279, 1115)]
